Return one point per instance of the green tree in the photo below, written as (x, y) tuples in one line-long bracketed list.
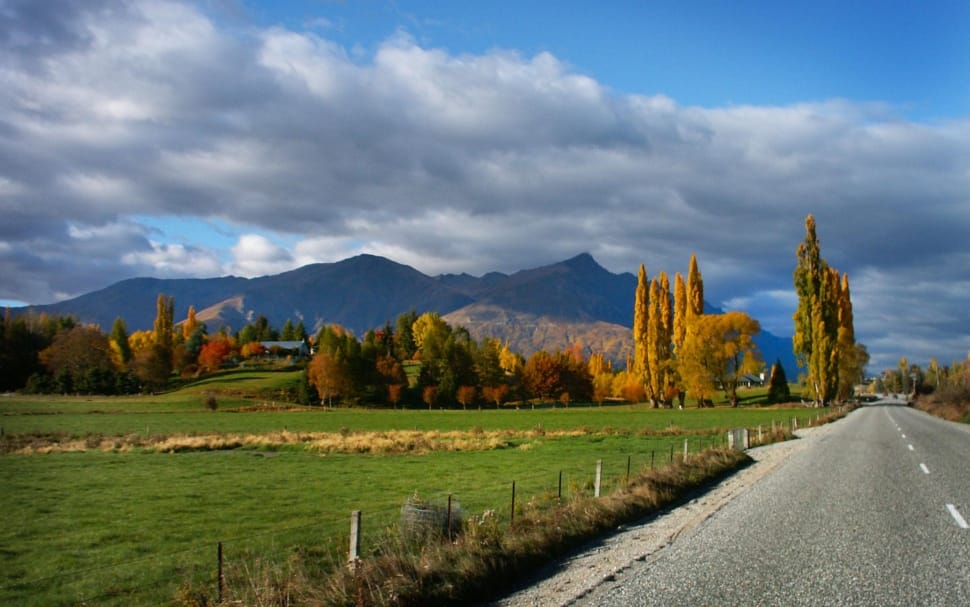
[(119, 343), (778, 390), (288, 332)]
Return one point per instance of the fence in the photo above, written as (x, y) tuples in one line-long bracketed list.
[(214, 566)]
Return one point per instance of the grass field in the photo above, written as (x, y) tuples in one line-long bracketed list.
[(121, 528)]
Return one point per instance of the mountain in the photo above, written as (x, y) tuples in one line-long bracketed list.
[(550, 307)]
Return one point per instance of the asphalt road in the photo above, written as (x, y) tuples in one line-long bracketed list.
[(874, 512)]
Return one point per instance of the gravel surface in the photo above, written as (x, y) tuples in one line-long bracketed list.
[(567, 581)]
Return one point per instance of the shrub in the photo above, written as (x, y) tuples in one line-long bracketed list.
[(209, 402)]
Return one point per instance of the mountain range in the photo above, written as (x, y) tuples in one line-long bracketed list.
[(545, 308)]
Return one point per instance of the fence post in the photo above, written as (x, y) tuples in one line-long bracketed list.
[(671, 454), (355, 532), (559, 496), (629, 458), (599, 474), (512, 516), (449, 517), (221, 579), (759, 434), (686, 449)]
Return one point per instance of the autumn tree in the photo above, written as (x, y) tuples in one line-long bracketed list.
[(80, 360), (823, 340), (190, 324), (641, 329), (214, 353), (466, 395), (497, 394)]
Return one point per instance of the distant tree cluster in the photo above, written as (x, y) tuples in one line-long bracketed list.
[(424, 361), (46, 354)]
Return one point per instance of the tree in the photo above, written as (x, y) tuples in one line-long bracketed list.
[(328, 375), (719, 348), (542, 375), (163, 339), (641, 328), (82, 358), (120, 347), (190, 324), (466, 395), (815, 340), (497, 394), (778, 390), (288, 333), (214, 353)]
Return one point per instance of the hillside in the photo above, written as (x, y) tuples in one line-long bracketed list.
[(550, 307)]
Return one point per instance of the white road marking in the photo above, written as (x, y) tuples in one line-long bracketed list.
[(956, 516), (911, 447), (924, 468)]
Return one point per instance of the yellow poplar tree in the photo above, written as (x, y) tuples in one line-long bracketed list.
[(190, 324), (641, 316)]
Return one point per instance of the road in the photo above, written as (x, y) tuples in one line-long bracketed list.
[(874, 512)]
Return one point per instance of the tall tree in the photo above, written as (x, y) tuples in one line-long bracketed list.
[(641, 337), (815, 340), (190, 324), (157, 363), (119, 343), (695, 291), (852, 357)]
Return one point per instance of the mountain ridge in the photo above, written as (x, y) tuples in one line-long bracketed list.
[(548, 307)]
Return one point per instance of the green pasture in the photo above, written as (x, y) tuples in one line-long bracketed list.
[(101, 528)]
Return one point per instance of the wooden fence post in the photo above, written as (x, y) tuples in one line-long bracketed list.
[(686, 449), (599, 474), (221, 578), (629, 458), (449, 517), (559, 496), (355, 532), (512, 516)]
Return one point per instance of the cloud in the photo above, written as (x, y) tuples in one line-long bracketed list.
[(450, 163), (256, 255)]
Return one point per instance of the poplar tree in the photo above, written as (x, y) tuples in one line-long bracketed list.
[(680, 311), (695, 291), (659, 330), (654, 361), (816, 338), (165, 312), (641, 315)]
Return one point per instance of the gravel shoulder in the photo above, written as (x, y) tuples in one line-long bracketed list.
[(567, 580)]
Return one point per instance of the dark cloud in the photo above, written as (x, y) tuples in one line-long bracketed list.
[(451, 163)]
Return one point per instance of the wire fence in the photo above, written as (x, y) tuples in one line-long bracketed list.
[(201, 573)]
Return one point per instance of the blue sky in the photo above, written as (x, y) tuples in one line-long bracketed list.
[(193, 139), (910, 55)]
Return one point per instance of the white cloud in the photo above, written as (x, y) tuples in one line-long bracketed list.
[(256, 255)]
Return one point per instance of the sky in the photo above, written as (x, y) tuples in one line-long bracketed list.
[(199, 139)]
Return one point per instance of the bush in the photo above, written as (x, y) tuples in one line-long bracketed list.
[(209, 402)]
